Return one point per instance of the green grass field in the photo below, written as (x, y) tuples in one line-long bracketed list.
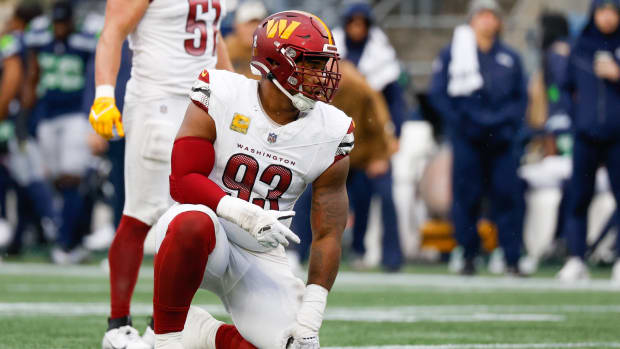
[(48, 307)]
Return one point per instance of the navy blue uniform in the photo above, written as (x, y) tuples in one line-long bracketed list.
[(596, 119), (12, 44), (62, 65), (482, 128), (23, 163), (62, 127)]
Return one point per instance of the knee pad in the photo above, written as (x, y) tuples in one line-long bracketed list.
[(193, 228)]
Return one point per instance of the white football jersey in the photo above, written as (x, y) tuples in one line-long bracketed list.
[(259, 161), (172, 43)]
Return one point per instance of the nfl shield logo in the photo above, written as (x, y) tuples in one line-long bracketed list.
[(272, 137)]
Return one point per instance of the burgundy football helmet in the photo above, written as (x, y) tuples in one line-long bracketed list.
[(296, 51)]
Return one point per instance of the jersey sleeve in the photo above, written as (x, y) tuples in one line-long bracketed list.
[(201, 91), (346, 144), (38, 33), (215, 92), (9, 46), (83, 42)]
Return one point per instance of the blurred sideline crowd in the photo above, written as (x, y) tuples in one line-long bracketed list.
[(490, 168)]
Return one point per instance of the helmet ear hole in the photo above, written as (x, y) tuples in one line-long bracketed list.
[(272, 62)]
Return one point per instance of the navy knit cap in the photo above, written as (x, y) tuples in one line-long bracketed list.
[(602, 3), (357, 9), (62, 11)]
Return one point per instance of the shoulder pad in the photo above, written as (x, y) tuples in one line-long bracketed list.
[(9, 45), (201, 91), (83, 42), (346, 145)]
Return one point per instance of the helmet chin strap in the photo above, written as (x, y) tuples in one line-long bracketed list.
[(301, 102)]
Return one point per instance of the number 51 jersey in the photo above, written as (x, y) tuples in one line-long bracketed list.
[(173, 41), (258, 160)]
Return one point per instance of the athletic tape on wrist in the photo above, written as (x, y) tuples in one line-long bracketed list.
[(104, 91), (312, 307)]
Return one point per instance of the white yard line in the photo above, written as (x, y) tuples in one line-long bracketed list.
[(89, 288), (63, 288), (83, 309), (502, 309), (597, 345), (336, 313), (43, 269), (350, 280), (456, 283)]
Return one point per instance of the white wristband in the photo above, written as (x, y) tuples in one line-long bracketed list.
[(310, 314), (227, 207), (104, 91), (237, 211)]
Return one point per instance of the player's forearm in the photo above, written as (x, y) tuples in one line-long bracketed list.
[(329, 217), (4, 110), (195, 189), (4, 101), (324, 261), (189, 182), (4, 107), (108, 57), (10, 85), (29, 91), (121, 18)]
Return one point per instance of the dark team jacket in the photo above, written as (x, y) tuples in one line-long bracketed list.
[(497, 110), (595, 106)]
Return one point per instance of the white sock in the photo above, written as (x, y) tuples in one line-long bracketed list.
[(200, 329), (172, 340)]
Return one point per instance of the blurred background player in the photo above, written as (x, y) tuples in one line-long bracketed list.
[(363, 43), (368, 48), (165, 63), (239, 43), (479, 89), (593, 81), (62, 128), (21, 158), (551, 147)]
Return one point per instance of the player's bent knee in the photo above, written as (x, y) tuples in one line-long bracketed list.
[(193, 229)]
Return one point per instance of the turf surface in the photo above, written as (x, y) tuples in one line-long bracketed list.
[(52, 307)]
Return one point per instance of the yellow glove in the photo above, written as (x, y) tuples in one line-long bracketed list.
[(104, 115)]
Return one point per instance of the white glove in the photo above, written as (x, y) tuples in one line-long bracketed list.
[(264, 226), (309, 318)]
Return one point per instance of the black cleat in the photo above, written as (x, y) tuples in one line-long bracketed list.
[(469, 268), (514, 271)]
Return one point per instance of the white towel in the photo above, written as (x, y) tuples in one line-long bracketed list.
[(378, 62), (464, 70)]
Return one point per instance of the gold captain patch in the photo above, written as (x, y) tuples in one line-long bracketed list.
[(240, 123)]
